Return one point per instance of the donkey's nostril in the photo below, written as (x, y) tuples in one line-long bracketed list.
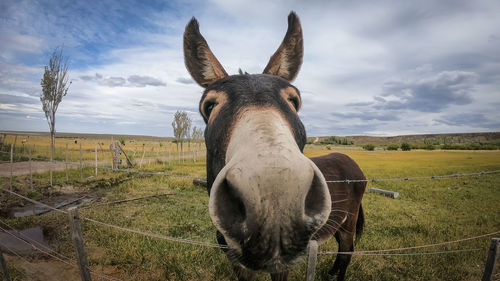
[(230, 208), (316, 203)]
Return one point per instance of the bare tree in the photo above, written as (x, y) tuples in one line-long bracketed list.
[(182, 126), (197, 135), (54, 87)]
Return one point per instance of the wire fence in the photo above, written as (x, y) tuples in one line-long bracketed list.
[(380, 252), (49, 252), (154, 173), (417, 178)]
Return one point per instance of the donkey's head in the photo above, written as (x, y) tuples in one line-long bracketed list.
[(266, 198)]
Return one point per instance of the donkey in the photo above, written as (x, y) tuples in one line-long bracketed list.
[(266, 199)]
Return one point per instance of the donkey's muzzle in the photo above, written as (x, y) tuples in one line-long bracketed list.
[(269, 212)]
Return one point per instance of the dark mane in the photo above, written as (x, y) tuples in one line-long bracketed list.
[(241, 72)]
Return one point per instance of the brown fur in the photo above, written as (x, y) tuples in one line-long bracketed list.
[(289, 94), (346, 217), (199, 59), (286, 61), (219, 98)]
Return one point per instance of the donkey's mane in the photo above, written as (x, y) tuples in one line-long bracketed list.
[(241, 72)]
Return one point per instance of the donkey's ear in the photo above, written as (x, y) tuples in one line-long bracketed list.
[(288, 58), (199, 59)]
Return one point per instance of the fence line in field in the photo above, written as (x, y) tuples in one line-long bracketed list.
[(153, 235), (380, 252), (401, 254), (418, 178), (328, 181), (65, 259)]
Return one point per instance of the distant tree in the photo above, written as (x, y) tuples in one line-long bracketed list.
[(405, 146), (197, 135), (54, 87), (182, 126), (392, 147), (369, 147)]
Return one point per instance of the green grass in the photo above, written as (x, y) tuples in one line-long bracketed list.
[(427, 211)]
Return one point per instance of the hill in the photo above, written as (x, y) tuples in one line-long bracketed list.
[(433, 139)]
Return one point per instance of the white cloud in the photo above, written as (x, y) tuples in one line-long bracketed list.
[(358, 55)]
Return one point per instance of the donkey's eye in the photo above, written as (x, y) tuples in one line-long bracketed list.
[(294, 101), (208, 107)]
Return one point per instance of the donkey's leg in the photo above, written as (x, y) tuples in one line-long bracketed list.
[(346, 244), (282, 276)]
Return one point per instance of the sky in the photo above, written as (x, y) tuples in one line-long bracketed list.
[(379, 68)]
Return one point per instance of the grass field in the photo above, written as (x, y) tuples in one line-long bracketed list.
[(427, 211), (73, 144)]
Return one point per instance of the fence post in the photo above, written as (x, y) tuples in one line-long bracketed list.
[(489, 268), (51, 161), (142, 159), (312, 260), (66, 163), (4, 267), (96, 159), (76, 235), (11, 163), (31, 173), (81, 166), (15, 140), (116, 155)]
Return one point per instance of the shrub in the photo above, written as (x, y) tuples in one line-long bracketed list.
[(392, 147), (429, 147), (328, 147), (330, 140), (336, 140), (405, 146), (369, 147)]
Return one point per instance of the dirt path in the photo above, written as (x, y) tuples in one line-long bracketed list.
[(23, 168), (43, 270)]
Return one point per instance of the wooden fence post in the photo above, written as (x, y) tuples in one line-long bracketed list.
[(66, 163), (96, 159), (116, 156), (4, 267), (387, 193), (81, 166), (142, 159), (11, 164), (15, 140), (312, 260), (76, 235), (50, 164), (31, 172), (489, 268)]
